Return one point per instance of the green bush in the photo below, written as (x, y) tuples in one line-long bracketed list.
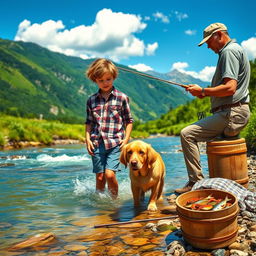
[(2, 140), (250, 132)]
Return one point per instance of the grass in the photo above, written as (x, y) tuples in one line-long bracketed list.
[(15, 129)]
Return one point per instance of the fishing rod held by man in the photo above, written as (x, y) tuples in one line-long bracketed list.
[(152, 77)]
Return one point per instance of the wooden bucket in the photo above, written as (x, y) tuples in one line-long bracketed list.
[(227, 159), (208, 229)]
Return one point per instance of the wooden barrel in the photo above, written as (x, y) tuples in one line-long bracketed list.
[(208, 229), (228, 159)]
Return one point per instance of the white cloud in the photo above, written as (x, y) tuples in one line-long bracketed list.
[(205, 74), (180, 16), (250, 47), (161, 16), (179, 65), (112, 35), (190, 32), (141, 67), (151, 48)]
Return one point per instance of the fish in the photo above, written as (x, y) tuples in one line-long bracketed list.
[(206, 207), (202, 201), (221, 205), (201, 207)]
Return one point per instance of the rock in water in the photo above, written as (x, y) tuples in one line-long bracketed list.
[(37, 240)]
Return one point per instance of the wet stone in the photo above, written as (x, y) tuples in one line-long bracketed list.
[(219, 252), (198, 254), (83, 253), (253, 228), (60, 253), (96, 237), (35, 242), (238, 253), (75, 247), (99, 249), (155, 253), (114, 250), (147, 247), (239, 246), (135, 241), (176, 248)]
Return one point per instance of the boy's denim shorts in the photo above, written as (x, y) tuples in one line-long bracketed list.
[(105, 159)]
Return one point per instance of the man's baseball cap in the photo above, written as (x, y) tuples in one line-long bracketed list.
[(208, 31)]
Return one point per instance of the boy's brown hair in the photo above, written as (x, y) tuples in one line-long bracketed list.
[(99, 67)]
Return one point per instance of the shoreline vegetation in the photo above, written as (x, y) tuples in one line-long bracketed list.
[(17, 132)]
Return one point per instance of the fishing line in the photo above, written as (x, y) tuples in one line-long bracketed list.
[(153, 77)]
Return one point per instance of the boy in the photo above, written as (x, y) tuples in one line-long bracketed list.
[(108, 124)]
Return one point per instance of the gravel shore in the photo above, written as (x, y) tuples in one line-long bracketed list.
[(245, 244)]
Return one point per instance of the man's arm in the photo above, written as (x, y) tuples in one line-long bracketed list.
[(227, 88)]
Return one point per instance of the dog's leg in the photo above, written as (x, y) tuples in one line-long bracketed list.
[(136, 192), (153, 197), (160, 191)]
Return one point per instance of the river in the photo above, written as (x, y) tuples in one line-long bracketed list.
[(52, 189)]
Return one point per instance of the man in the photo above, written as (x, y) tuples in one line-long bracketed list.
[(229, 100)]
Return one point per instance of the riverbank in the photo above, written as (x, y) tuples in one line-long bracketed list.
[(29, 144)]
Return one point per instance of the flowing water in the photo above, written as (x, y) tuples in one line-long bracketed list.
[(52, 189)]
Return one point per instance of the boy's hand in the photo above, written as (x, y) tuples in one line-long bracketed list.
[(90, 147), (123, 143)]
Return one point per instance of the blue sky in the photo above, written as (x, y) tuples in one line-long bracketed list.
[(158, 35)]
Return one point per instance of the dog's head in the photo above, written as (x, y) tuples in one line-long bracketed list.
[(138, 154)]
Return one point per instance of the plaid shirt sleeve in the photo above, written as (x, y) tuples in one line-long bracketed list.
[(246, 199), (89, 118), (126, 112)]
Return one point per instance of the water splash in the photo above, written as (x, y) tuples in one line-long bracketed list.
[(85, 189), (49, 160)]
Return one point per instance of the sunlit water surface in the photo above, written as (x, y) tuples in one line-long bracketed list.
[(48, 189)]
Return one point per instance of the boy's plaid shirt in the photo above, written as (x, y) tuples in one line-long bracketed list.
[(108, 119)]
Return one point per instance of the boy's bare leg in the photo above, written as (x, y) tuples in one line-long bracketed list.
[(112, 183), (100, 182)]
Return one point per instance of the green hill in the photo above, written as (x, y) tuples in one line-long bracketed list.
[(37, 82)]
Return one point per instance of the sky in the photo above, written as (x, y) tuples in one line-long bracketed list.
[(157, 35)]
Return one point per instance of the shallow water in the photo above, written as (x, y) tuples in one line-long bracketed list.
[(52, 189)]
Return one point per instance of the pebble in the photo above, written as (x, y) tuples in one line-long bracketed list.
[(238, 253)]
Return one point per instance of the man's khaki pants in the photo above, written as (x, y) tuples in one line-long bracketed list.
[(228, 123)]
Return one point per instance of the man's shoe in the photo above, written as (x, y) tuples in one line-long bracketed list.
[(186, 188)]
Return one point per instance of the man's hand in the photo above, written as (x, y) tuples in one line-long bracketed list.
[(195, 90)]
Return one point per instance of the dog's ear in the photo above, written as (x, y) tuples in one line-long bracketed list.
[(123, 156), (152, 156)]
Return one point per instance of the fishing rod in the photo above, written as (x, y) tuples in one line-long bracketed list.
[(152, 77), (134, 221)]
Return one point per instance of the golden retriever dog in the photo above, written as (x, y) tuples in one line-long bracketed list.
[(147, 171)]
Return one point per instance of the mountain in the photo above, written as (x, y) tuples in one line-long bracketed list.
[(37, 82)]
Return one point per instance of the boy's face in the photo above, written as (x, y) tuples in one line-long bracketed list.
[(105, 82)]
